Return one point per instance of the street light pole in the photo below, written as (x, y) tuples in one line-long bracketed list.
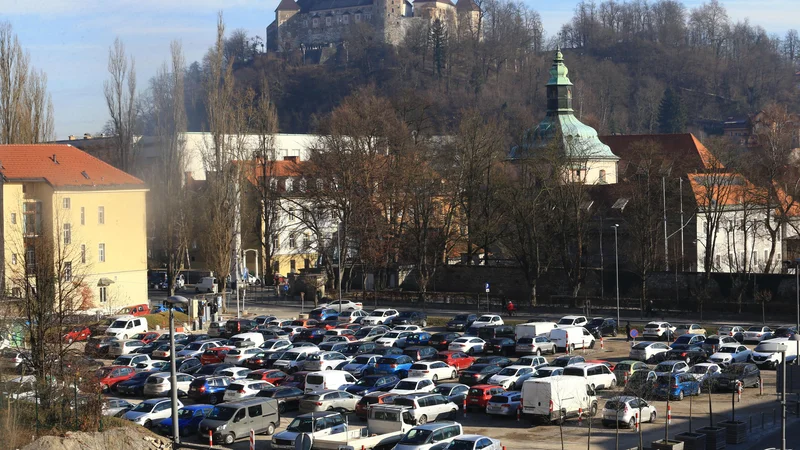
[(172, 302), (616, 262)]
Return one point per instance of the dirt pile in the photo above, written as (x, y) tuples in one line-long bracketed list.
[(128, 438)]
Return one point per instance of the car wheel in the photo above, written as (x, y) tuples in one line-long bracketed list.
[(281, 408), (653, 417), (148, 423), (270, 429), (213, 400), (471, 351), (613, 384), (423, 419), (593, 410), (592, 344), (330, 409), (453, 414), (538, 352), (757, 384), (228, 439), (632, 423), (614, 333), (454, 375), (680, 395), (435, 378)]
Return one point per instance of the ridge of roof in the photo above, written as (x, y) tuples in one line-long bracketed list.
[(287, 5)]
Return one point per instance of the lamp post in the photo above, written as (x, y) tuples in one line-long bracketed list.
[(172, 302), (770, 347), (616, 263)]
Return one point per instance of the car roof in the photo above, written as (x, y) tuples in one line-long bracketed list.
[(319, 414), (156, 400), (435, 425), (470, 437), (393, 356), (671, 362), (414, 379), (484, 386), (515, 366), (572, 317)]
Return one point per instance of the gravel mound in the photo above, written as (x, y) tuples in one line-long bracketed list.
[(128, 438)]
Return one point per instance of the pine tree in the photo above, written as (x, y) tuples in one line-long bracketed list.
[(438, 36), (671, 113)]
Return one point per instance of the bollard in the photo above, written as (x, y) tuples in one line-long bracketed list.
[(636, 421), (669, 415), (465, 407), (519, 413), (252, 440), (626, 378), (739, 391), (601, 343), (580, 416), (210, 439), (760, 386)]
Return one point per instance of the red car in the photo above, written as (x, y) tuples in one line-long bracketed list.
[(135, 310), (77, 334), (214, 355), (459, 360), (110, 376), (273, 376), (148, 337), (480, 394)]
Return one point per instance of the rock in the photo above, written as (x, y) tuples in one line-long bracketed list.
[(128, 438)]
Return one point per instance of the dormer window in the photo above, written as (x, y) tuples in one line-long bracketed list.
[(315, 22), (358, 17), (328, 21), (346, 19)]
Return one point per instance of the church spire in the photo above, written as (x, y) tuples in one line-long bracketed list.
[(559, 88)]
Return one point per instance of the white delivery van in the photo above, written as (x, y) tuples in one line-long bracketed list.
[(256, 338), (125, 327), (573, 337), (328, 379), (764, 358), (206, 284), (533, 329), (557, 398)]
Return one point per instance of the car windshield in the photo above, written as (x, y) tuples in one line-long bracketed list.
[(367, 382), (222, 413), (664, 367), (727, 350), (387, 361), (561, 362), (700, 369), (463, 317), (754, 329), (406, 385), (185, 413), (725, 328), (119, 324), (444, 390), (596, 322), (638, 376), (525, 341), (123, 361), (652, 325), (641, 345), (622, 367), (711, 341), (615, 405), (392, 335), (140, 376), (193, 346), (416, 436), (565, 321), (301, 425), (508, 371), (144, 407), (737, 370), (289, 356)]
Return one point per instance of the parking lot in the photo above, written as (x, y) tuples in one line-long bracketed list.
[(759, 411)]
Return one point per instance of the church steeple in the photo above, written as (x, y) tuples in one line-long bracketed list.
[(559, 88)]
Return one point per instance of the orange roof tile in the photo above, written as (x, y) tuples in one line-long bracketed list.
[(61, 166), (279, 169)]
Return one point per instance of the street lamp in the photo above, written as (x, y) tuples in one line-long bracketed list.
[(616, 262), (772, 347), (172, 302)]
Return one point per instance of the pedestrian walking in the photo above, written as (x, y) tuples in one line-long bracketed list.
[(650, 308), (628, 331), (510, 308)]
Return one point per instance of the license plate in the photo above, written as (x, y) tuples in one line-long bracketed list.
[(494, 408), (473, 400)]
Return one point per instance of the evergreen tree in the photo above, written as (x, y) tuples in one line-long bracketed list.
[(671, 113), (438, 36)]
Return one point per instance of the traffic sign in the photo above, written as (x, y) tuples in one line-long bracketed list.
[(487, 288), (634, 333)]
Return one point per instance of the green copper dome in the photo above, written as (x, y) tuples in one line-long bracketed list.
[(579, 140)]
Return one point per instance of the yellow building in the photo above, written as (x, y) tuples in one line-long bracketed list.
[(90, 215)]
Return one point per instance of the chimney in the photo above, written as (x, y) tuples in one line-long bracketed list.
[(87, 135), (294, 159), (55, 159), (72, 137)]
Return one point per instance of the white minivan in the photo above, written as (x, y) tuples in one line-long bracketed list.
[(572, 337), (206, 284), (557, 398), (329, 379), (256, 338), (125, 327), (598, 376), (533, 329)]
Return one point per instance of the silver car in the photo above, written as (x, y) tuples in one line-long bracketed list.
[(328, 400), (116, 406), (535, 344)]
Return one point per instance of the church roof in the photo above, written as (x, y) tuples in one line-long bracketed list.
[(287, 5), (446, 2), (307, 6), (467, 5)]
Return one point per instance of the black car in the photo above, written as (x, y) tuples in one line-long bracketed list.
[(98, 346), (148, 349), (692, 354), (198, 337), (784, 332), (440, 341), (288, 397), (478, 373), (454, 392), (237, 326), (212, 369), (359, 348), (461, 322), (134, 386), (747, 373), (410, 318), (500, 346), (188, 365), (499, 361), (566, 360), (313, 335), (602, 327)]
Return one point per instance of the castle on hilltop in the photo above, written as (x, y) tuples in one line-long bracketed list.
[(323, 23)]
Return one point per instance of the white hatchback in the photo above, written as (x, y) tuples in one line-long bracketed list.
[(625, 410), (239, 355), (379, 316), (244, 389), (487, 320), (433, 370), (507, 378), (413, 385), (468, 345)]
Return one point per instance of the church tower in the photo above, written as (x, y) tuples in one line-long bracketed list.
[(589, 161)]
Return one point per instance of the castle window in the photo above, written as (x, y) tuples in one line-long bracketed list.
[(305, 23), (338, 19), (367, 17), (315, 22), (602, 176), (358, 17), (346, 19), (328, 21)]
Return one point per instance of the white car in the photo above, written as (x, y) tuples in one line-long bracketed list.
[(393, 339), (756, 334), (731, 353), (487, 320), (351, 316), (433, 370), (407, 328), (244, 389), (347, 305), (239, 355), (274, 345), (152, 364), (235, 373), (507, 378), (150, 411), (702, 371), (598, 376), (572, 321), (413, 385), (646, 351), (531, 361), (159, 384), (468, 345), (658, 330), (124, 347), (474, 442), (623, 410), (380, 316), (324, 361), (195, 349)]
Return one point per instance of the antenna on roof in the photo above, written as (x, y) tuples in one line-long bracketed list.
[(85, 175), (55, 159)]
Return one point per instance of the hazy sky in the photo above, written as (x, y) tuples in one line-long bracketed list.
[(69, 39)]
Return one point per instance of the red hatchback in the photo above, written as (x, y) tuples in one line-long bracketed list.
[(148, 337), (480, 394), (110, 376), (214, 355), (77, 334), (273, 376), (459, 360)]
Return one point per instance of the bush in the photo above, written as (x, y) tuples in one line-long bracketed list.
[(162, 320)]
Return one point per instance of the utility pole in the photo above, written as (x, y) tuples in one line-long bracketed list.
[(616, 262), (683, 268), (664, 200)]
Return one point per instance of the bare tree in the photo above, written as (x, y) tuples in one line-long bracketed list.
[(120, 93)]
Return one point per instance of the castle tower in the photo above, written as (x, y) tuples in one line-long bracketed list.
[(469, 16), (286, 10)]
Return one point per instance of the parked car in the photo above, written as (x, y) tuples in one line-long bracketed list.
[(433, 370), (440, 341), (110, 376), (572, 321), (504, 404), (474, 442), (393, 339), (478, 373), (113, 406), (531, 361), (459, 360), (413, 385), (704, 371), (747, 373), (468, 345), (333, 346), (624, 410), (380, 316), (672, 367), (598, 376), (151, 410), (317, 424), (508, 377), (567, 360), (351, 316), (535, 344), (733, 331), (238, 326), (642, 383), (312, 335), (394, 364), (134, 386), (756, 334), (689, 328), (288, 397), (124, 347), (189, 418), (206, 284), (324, 361), (370, 333), (359, 348), (713, 342), (216, 329), (230, 421), (624, 369), (213, 369), (480, 394), (214, 355), (420, 353), (461, 322), (322, 313), (429, 436), (658, 331), (501, 361), (235, 373), (361, 365), (135, 310), (328, 400), (689, 353), (272, 376), (487, 320), (77, 334), (373, 383), (241, 389), (731, 353), (343, 305), (130, 360), (600, 327), (209, 389), (648, 351), (164, 351), (688, 339), (373, 398), (159, 384), (676, 385), (419, 338), (427, 407)]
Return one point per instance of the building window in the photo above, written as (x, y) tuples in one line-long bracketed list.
[(328, 21), (83, 254), (338, 19), (292, 266), (101, 215), (66, 203), (602, 176), (68, 271), (306, 263), (291, 212), (306, 241), (289, 186), (103, 294), (83, 215), (67, 233), (315, 22), (358, 17), (13, 218), (14, 259), (275, 244), (32, 215), (346, 19), (101, 254), (292, 241), (717, 260)]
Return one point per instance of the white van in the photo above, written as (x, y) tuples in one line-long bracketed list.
[(764, 358), (533, 329), (256, 338), (598, 376), (557, 398), (125, 327), (206, 284), (572, 337), (329, 379)]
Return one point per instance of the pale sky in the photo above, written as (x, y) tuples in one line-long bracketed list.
[(69, 39)]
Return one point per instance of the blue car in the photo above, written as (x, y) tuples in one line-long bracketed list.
[(373, 383), (189, 418), (208, 389), (322, 314), (393, 365), (134, 386), (361, 365), (420, 338), (676, 385)]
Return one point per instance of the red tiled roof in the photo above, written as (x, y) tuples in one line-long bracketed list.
[(683, 149), (61, 166), (279, 169)]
